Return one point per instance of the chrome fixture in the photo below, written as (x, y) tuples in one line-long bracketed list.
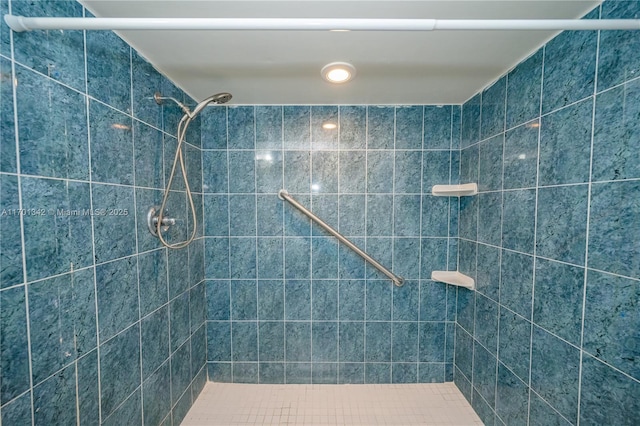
[(284, 195), (156, 216)]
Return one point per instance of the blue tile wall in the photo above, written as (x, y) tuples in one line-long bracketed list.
[(553, 235), (285, 302), (86, 301)]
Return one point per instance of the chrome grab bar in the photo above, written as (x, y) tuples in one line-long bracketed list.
[(284, 195)]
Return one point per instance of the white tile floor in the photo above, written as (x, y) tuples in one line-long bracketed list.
[(410, 404)]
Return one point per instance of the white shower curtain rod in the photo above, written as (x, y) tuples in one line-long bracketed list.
[(23, 23)]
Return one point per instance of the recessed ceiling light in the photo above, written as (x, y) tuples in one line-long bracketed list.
[(338, 72), (329, 125)]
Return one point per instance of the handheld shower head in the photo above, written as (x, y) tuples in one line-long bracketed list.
[(219, 98)]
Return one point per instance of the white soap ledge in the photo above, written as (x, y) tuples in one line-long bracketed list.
[(454, 278), (454, 190)]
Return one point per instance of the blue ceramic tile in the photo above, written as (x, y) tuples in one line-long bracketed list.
[(325, 300), (353, 127), (380, 249), (193, 160), (482, 408), (11, 272), (120, 369), (456, 127), (324, 340), (54, 400), (352, 172), (218, 341), (452, 295), (109, 69), (406, 301), (270, 262), (213, 127), (271, 337), (561, 227), (244, 341), (611, 245), (146, 198), (327, 208), (52, 128), (351, 342), (216, 218), (379, 172), (5, 45), (468, 255), (117, 295), (295, 223), (350, 264), (199, 352), (271, 372), (449, 349), (324, 373), (155, 341), (297, 258), (409, 127), (178, 272), (378, 301), (557, 305), (218, 300), (616, 133), (146, 81), (7, 128), (379, 221), (299, 372), (351, 373), (490, 157), (616, 63), (268, 127), (18, 411), (324, 257), (407, 172), (377, 372), (297, 127), (322, 138), (179, 318), (404, 372), (57, 54), (523, 90), (555, 369), (242, 172), (129, 412), (433, 301), (516, 282), (406, 215), (406, 258), (242, 257), (157, 396), (152, 278), (486, 320), (323, 172), (515, 343), (87, 388), (170, 147), (430, 372), (607, 396), (565, 145), (180, 372), (466, 306), (297, 342), (512, 397), (437, 127), (611, 321), (297, 171), (471, 121), (244, 302), (435, 211), (484, 373), (269, 210), (197, 307), (468, 221), (432, 342), (351, 215), (380, 127), (464, 352), (521, 156), (220, 372), (297, 300), (378, 341), (490, 218), (488, 274), (14, 362), (111, 145), (404, 342), (352, 300), (63, 321), (269, 171), (215, 175), (242, 215), (113, 222), (196, 262), (240, 122), (493, 109), (59, 234), (518, 218), (542, 413), (569, 69), (469, 160), (148, 156)]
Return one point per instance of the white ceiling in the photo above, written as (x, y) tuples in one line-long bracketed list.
[(277, 67)]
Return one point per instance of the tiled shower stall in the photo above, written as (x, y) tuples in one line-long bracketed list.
[(100, 324)]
